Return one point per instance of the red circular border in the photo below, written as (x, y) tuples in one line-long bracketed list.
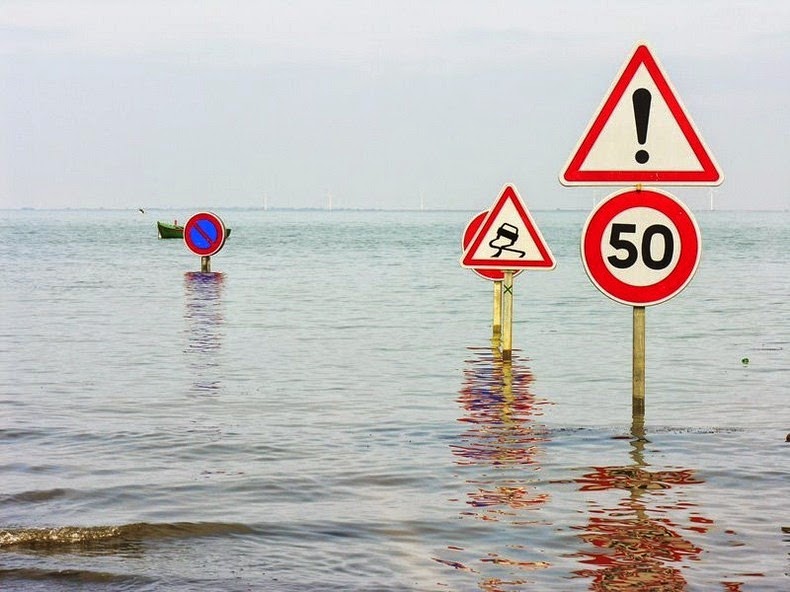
[(217, 222), (496, 275), (679, 277)]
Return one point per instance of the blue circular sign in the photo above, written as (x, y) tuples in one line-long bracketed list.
[(204, 234)]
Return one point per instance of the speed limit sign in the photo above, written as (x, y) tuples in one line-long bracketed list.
[(640, 246)]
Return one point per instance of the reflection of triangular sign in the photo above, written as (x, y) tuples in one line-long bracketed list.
[(641, 134), (508, 238)]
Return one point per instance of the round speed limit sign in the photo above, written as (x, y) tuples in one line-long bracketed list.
[(641, 247)]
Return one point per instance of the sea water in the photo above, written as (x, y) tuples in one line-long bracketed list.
[(326, 411)]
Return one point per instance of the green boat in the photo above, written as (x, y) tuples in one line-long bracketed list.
[(175, 230), (166, 230)]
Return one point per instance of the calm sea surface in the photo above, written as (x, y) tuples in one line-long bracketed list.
[(326, 411)]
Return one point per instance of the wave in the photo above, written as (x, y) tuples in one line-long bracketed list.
[(71, 576), (35, 496), (64, 536)]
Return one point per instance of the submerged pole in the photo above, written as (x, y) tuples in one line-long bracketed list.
[(638, 391), (507, 316)]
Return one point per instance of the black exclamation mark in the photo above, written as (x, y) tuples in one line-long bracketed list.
[(641, 100)]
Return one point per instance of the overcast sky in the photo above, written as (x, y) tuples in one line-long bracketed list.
[(209, 103)]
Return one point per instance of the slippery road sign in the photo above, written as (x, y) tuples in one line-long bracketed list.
[(508, 238)]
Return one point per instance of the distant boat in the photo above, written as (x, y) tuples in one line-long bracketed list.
[(166, 230)]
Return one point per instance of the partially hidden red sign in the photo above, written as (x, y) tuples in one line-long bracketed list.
[(204, 234)]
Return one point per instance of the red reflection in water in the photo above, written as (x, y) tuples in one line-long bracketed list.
[(497, 585), (636, 546), (513, 497), (634, 478)]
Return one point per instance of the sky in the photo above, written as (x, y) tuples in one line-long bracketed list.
[(378, 104)]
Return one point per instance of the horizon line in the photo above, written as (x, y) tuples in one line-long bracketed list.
[(325, 209)]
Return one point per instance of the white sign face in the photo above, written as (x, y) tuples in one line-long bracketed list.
[(641, 134), (638, 246), (665, 147), (470, 232), (508, 238)]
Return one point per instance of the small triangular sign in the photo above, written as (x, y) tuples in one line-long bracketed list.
[(508, 238), (641, 134)]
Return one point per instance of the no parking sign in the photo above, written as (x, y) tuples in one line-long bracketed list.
[(204, 234)]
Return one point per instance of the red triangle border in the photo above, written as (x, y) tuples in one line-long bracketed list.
[(710, 173), (546, 262)]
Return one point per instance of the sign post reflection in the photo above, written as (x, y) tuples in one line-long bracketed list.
[(499, 453), (639, 544), (204, 317)]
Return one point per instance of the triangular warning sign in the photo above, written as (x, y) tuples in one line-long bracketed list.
[(508, 238), (641, 134)]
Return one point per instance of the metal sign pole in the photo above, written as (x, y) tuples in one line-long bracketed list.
[(638, 391), (507, 316), (497, 325), (205, 264)]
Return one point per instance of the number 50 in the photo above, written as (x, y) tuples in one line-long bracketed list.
[(619, 242)]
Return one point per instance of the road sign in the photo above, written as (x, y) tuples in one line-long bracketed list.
[(641, 134), (469, 233), (204, 234), (640, 247), (508, 238)]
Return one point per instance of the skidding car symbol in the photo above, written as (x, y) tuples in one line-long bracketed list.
[(507, 235)]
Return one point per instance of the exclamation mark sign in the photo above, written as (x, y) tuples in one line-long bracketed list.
[(641, 100)]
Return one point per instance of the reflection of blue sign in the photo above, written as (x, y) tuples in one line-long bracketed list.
[(204, 234), (204, 317)]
